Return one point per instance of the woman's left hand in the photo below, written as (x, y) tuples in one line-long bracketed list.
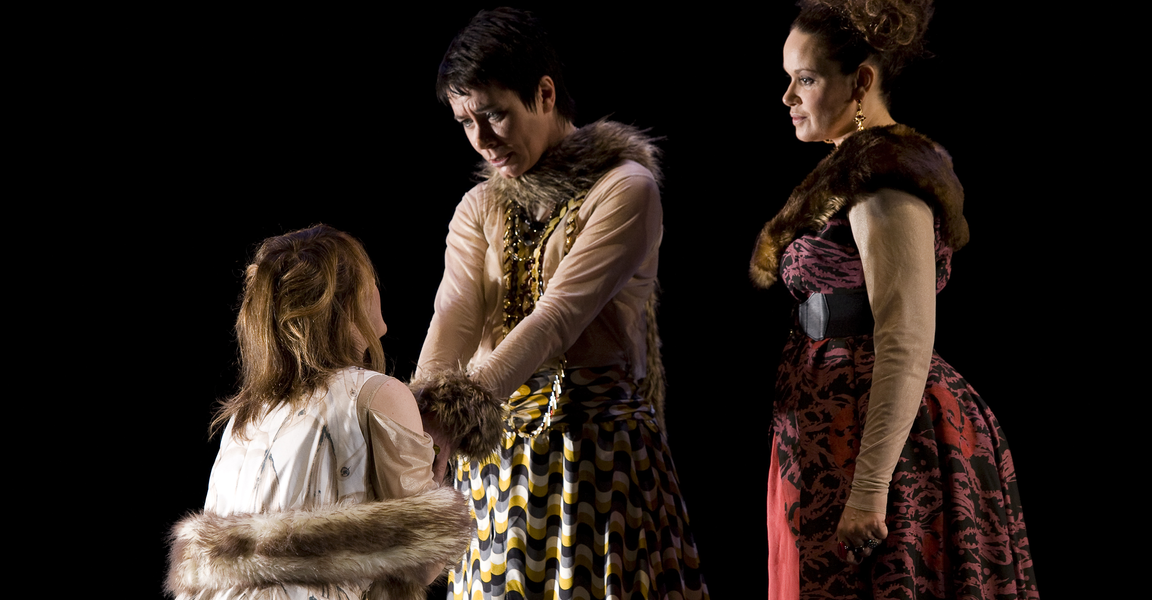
[(859, 531), (443, 445)]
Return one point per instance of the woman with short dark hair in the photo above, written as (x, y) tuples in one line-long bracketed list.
[(548, 299)]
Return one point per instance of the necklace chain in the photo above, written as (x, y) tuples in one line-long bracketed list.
[(524, 242)]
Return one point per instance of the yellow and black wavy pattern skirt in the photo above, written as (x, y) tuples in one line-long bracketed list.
[(590, 508)]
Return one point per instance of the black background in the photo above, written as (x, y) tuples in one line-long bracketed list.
[(214, 129)]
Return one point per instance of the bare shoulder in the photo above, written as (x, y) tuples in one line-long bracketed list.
[(395, 401)]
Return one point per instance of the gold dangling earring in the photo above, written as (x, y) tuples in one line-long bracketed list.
[(859, 118)]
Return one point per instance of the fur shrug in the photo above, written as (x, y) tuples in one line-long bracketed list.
[(895, 157), (575, 164), (391, 543)]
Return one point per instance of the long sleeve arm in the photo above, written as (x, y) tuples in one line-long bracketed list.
[(402, 453), (457, 323), (894, 232), (624, 227)]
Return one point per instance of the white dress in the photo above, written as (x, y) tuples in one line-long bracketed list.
[(317, 456)]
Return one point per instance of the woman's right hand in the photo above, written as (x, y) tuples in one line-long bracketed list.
[(858, 532)]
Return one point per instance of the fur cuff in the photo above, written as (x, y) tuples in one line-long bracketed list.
[(391, 543), (467, 411)]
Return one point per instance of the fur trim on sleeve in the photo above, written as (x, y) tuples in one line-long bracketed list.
[(391, 543), (895, 157), (467, 411)]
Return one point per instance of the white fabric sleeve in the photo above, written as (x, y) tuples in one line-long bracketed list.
[(458, 321), (622, 228), (895, 236)]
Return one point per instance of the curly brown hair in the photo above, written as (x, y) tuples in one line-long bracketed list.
[(304, 315), (889, 32)]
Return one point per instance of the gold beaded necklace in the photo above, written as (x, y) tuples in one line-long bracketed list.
[(524, 242)]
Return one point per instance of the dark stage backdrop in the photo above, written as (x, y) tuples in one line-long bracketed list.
[(247, 125)]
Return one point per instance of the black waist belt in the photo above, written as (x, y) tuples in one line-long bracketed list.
[(836, 315)]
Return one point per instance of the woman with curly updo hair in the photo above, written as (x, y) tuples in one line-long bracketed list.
[(890, 477), (324, 485)]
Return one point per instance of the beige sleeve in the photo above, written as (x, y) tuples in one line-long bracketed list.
[(894, 232), (401, 458), (624, 226), (458, 321)]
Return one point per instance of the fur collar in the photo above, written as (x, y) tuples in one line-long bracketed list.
[(575, 165), (391, 543), (894, 157)]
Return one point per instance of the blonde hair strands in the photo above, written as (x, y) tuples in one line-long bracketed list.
[(304, 315)]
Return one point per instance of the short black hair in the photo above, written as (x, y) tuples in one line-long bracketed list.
[(505, 47)]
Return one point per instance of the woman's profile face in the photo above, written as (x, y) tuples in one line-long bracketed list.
[(375, 320), (502, 130), (375, 315), (819, 97)]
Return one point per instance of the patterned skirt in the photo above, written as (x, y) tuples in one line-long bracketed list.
[(589, 508), (955, 525)]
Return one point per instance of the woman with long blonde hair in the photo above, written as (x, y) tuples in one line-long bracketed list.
[(324, 484)]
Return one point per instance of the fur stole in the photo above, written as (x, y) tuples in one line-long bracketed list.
[(894, 157), (575, 165), (391, 543)]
